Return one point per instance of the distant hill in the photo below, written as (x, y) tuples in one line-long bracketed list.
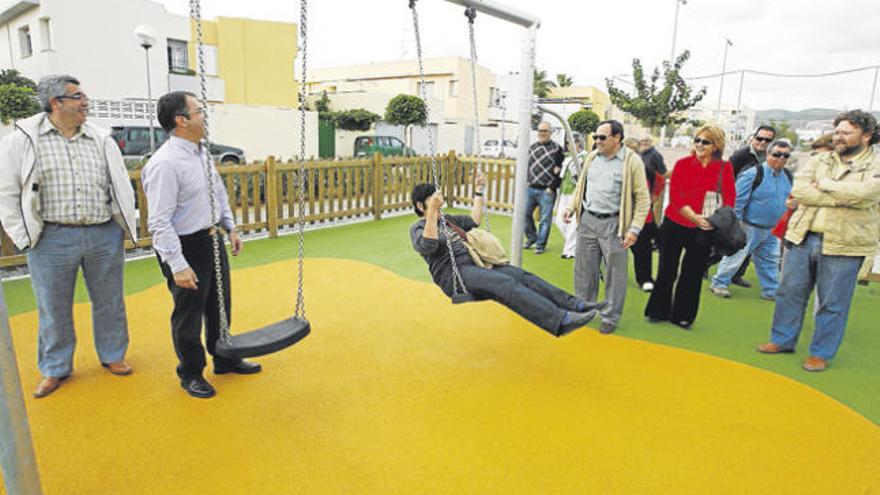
[(807, 115)]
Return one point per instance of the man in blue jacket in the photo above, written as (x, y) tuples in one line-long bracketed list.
[(760, 202)]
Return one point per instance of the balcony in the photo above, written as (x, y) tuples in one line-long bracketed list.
[(10, 9), (216, 87)]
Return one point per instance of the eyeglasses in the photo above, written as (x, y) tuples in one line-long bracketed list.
[(600, 137), (704, 142), (763, 139), (542, 131), (74, 96), (780, 155)]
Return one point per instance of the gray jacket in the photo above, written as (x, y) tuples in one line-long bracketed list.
[(19, 183)]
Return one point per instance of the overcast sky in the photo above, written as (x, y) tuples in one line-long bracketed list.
[(592, 40)]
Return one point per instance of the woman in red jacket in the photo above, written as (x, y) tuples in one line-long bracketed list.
[(685, 227)]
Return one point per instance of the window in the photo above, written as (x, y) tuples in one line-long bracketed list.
[(429, 89), (210, 60), (453, 88), (178, 57), (24, 41), (395, 143), (45, 34)]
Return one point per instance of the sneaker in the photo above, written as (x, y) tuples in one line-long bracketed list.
[(572, 321), (648, 286), (540, 250), (721, 292), (607, 327), (528, 245), (741, 282), (567, 256), (768, 297)]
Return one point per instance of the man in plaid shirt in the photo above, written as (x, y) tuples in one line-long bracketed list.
[(66, 200), (545, 165)]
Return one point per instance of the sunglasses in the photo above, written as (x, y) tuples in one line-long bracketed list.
[(600, 137), (763, 139), (780, 155), (704, 142)]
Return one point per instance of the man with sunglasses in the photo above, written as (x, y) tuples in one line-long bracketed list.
[(761, 193), (743, 159), (610, 204), (835, 227), (545, 167), (66, 201)]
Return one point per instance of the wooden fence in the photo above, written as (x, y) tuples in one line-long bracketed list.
[(264, 195)]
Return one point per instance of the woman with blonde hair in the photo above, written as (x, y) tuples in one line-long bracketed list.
[(699, 183)]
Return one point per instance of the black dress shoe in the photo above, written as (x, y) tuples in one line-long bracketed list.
[(241, 367), (741, 282), (573, 321), (198, 387)]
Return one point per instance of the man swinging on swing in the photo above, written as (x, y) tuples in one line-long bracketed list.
[(526, 294), (181, 222)]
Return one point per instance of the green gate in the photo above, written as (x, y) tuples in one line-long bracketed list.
[(326, 140)]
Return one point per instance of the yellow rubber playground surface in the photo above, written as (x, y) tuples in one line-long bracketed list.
[(397, 391)]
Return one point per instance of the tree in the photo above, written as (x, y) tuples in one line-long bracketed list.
[(12, 76), (659, 101), (406, 110), (17, 102), (357, 119), (784, 130), (584, 121), (541, 85), (563, 80)]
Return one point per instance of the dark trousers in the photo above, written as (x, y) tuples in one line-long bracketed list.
[(676, 295), (642, 251), (191, 306), (524, 293), (742, 268)]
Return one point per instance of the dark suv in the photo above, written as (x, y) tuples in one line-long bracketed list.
[(135, 141)]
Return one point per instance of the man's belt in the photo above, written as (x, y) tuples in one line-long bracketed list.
[(603, 216)]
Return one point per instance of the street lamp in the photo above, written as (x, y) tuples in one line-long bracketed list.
[(727, 44), (675, 29), (678, 3), (146, 37)]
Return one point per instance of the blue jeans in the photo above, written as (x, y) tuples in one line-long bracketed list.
[(54, 263), (543, 199), (764, 248), (835, 280)]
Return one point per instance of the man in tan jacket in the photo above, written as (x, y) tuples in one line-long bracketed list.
[(609, 204), (835, 227)]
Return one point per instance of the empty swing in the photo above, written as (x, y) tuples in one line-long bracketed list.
[(284, 333)]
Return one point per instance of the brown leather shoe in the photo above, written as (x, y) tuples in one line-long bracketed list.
[(48, 385), (119, 368), (815, 364), (771, 348)]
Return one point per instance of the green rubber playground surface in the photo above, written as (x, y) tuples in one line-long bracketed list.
[(728, 328)]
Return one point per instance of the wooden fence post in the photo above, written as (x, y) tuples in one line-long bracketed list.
[(378, 185), (272, 196), (449, 177)]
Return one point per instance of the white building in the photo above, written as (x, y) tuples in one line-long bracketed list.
[(93, 40)]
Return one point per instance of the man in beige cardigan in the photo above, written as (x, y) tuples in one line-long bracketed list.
[(609, 204)]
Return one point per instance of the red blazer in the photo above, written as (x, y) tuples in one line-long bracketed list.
[(690, 182)]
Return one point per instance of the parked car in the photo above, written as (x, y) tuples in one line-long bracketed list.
[(387, 145), (495, 148), (135, 141)]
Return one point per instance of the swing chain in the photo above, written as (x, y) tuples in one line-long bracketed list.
[(458, 287), (471, 14), (205, 152), (300, 310)]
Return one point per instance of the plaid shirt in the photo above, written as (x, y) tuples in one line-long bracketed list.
[(74, 179), (543, 158)]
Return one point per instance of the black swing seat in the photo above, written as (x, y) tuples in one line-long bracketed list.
[(266, 340), (462, 298)]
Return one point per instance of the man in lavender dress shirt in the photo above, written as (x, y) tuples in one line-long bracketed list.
[(180, 220)]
